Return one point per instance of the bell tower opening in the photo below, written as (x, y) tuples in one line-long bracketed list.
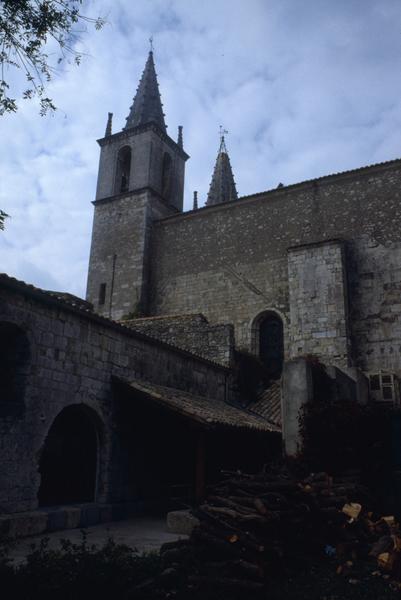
[(123, 170)]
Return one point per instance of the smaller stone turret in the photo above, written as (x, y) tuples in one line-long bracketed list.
[(222, 187), (109, 125), (180, 140)]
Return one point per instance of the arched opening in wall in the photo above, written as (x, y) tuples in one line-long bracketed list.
[(268, 335), (68, 463), (167, 176), (14, 367), (123, 170)]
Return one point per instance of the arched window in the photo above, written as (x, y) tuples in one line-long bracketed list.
[(14, 366), (268, 342), (166, 176), (68, 463), (123, 170)]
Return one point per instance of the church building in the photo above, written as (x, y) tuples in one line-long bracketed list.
[(134, 398)]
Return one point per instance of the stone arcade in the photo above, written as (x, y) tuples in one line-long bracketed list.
[(130, 399)]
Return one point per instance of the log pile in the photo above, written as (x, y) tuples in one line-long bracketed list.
[(252, 525)]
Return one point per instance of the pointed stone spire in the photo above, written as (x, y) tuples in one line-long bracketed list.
[(222, 187), (109, 124), (195, 206), (147, 106), (179, 139)]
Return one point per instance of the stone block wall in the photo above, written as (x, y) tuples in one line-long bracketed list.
[(319, 302), (229, 262), (192, 333), (119, 252), (73, 358)]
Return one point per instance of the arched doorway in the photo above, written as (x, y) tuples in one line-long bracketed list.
[(68, 464), (269, 334)]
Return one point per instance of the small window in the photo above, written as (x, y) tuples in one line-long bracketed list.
[(102, 294), (383, 387)]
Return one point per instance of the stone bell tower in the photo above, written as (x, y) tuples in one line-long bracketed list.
[(141, 179)]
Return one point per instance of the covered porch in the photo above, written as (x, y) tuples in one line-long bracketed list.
[(170, 444)]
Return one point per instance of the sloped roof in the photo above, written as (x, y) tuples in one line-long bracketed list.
[(205, 411), (268, 404), (147, 106)]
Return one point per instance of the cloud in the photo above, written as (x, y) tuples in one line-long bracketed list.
[(305, 89)]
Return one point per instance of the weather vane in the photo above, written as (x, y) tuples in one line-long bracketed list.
[(222, 132), (151, 43)]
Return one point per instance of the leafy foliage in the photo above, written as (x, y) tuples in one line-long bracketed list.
[(3, 217), (342, 434), (78, 571), (25, 28)]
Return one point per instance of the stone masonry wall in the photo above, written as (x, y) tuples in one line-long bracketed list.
[(229, 262), (319, 302), (74, 356), (192, 333), (119, 252)]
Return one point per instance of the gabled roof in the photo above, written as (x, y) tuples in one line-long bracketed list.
[(222, 187), (147, 106), (206, 412)]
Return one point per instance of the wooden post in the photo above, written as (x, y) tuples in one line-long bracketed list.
[(200, 483)]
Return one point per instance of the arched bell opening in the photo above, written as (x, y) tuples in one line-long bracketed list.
[(123, 170), (69, 460)]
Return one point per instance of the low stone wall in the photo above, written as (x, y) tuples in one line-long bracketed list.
[(192, 333)]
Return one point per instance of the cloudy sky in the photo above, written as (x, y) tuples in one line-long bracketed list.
[(304, 87)]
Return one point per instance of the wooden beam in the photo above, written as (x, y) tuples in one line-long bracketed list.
[(200, 466)]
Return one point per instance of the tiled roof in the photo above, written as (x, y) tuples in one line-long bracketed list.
[(205, 411), (268, 404)]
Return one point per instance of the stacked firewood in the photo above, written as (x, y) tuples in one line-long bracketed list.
[(250, 525)]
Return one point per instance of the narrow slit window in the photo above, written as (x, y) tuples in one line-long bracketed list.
[(102, 293)]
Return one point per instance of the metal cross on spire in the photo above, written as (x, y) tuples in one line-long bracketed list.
[(222, 132), (151, 43)]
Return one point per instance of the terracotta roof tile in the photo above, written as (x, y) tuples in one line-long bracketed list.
[(268, 404), (206, 411)]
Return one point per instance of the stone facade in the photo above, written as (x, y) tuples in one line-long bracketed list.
[(192, 333), (319, 302), (73, 357), (231, 262)]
